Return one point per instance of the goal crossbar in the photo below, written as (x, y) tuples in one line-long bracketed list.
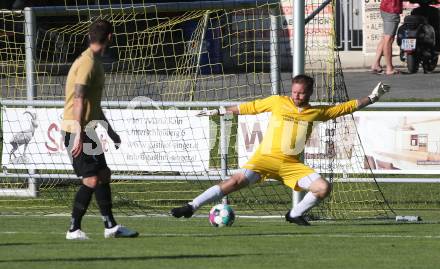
[(144, 7)]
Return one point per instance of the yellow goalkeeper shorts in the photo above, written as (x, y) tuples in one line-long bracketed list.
[(286, 171)]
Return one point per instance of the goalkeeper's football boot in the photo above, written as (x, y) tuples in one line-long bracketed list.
[(76, 235), (300, 220), (185, 211), (119, 231)]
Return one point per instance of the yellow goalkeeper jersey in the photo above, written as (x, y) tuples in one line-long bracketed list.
[(289, 128)]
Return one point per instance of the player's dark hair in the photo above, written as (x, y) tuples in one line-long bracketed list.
[(305, 80), (99, 31)]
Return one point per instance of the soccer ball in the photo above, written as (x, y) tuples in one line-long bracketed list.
[(221, 215)]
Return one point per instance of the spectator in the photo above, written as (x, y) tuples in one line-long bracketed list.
[(390, 11)]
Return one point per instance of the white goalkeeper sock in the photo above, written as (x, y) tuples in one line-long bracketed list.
[(309, 201), (212, 194)]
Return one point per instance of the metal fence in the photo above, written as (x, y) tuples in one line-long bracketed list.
[(349, 23)]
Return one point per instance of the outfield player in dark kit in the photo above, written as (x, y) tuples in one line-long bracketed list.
[(82, 110)]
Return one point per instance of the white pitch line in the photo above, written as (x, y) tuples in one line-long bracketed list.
[(16, 232), (362, 236), (264, 235), (303, 235)]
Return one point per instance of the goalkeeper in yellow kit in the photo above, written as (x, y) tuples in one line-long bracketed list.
[(277, 157)]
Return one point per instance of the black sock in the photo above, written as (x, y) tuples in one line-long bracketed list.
[(80, 205), (104, 199)]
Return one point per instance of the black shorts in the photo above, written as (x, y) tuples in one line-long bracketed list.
[(86, 164)]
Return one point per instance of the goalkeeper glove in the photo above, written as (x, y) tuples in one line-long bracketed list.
[(212, 112), (378, 91)]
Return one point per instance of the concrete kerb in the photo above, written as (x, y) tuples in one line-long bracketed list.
[(357, 61)]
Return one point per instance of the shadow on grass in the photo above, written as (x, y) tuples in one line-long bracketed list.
[(135, 258), (15, 244), (213, 235), (299, 231)]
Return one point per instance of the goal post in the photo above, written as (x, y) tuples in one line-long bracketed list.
[(298, 62), (169, 61)]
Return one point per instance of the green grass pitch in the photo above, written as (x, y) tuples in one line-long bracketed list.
[(164, 242)]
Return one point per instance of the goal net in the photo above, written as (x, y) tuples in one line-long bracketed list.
[(165, 64)]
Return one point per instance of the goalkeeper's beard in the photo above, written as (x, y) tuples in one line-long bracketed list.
[(301, 103)]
